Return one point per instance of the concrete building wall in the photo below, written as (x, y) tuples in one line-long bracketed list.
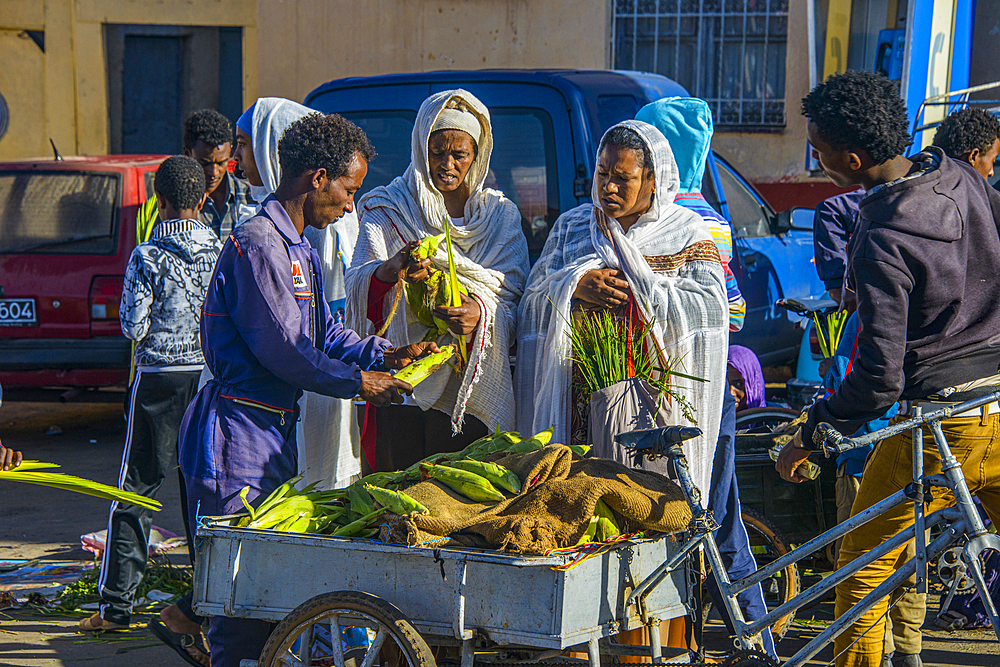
[(61, 93), (305, 43)]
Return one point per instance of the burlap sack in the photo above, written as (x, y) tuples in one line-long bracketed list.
[(553, 510)]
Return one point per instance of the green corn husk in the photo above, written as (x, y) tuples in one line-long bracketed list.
[(354, 528), (580, 450), (427, 247), (396, 502), (421, 369), (533, 443), (424, 297), (602, 354), (27, 474), (496, 474), (469, 484), (361, 502)]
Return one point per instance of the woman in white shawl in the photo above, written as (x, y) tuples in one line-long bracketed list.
[(633, 242), (450, 158), (328, 437)]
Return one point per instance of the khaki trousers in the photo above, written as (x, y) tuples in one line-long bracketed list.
[(902, 625), (973, 441)]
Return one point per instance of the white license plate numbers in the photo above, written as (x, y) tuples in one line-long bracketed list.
[(17, 312)]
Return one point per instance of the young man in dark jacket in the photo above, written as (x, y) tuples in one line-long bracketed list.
[(924, 262)]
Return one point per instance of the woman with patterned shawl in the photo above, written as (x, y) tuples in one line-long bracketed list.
[(632, 245), (450, 158)]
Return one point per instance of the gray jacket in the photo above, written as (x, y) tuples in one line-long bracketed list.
[(165, 285)]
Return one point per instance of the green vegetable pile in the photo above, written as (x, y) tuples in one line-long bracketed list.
[(356, 510)]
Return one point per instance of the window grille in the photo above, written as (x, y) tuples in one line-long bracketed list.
[(731, 53)]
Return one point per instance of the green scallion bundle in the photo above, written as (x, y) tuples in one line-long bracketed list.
[(601, 351)]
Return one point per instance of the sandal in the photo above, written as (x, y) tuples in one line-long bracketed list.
[(181, 642), (97, 624)]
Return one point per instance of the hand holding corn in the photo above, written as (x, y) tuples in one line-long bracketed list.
[(404, 266)]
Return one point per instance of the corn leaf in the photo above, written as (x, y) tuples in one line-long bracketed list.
[(455, 297), (58, 480)]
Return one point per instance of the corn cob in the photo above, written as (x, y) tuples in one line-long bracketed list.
[(469, 484), (355, 527), (427, 247), (280, 512), (495, 474), (536, 441), (360, 502), (421, 369), (396, 502), (606, 526), (285, 489)]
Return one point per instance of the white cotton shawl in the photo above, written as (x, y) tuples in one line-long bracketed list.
[(271, 117), (491, 257), (687, 306)]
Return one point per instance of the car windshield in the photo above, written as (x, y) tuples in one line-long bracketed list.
[(57, 212)]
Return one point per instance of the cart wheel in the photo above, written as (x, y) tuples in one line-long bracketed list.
[(311, 635), (767, 544)]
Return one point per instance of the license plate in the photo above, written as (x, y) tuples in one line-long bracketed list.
[(17, 312)]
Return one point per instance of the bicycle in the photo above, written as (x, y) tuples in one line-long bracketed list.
[(960, 524)]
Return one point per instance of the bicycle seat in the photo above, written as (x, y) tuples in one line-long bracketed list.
[(805, 307), (654, 442)]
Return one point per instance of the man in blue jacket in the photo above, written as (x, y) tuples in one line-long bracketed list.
[(267, 334)]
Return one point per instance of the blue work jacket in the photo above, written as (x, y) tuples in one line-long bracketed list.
[(266, 330)]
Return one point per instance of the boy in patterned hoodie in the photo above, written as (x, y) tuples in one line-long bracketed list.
[(165, 285)]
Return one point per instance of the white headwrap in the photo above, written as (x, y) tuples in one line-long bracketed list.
[(271, 117), (491, 257), (458, 119), (686, 305)]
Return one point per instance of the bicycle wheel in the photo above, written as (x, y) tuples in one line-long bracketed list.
[(311, 635), (762, 420), (767, 544)]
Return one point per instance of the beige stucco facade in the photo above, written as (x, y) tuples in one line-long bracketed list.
[(291, 46), (61, 93)]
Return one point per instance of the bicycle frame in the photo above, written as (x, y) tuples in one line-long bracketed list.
[(959, 520)]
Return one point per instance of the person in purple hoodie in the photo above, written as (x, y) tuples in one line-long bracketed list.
[(267, 335)]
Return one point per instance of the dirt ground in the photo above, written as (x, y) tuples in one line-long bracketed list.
[(36, 522)]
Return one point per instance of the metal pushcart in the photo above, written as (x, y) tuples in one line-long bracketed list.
[(492, 606)]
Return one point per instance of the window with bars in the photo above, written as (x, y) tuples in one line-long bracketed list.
[(731, 53)]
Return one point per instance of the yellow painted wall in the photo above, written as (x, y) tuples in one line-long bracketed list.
[(62, 94), (304, 43)]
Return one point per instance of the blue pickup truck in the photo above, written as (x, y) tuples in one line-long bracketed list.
[(547, 124)]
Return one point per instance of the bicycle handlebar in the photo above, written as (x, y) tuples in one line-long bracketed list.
[(834, 442)]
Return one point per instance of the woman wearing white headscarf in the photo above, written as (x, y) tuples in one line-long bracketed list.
[(450, 157), (328, 437), (633, 242)]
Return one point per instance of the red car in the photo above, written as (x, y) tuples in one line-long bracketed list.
[(67, 228)]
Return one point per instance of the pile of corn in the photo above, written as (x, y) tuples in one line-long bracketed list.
[(355, 511)]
